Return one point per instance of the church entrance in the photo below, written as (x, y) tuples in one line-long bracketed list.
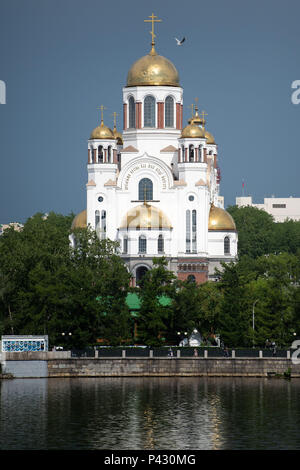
[(139, 275)]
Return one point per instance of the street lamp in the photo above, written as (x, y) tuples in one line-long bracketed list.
[(253, 320)]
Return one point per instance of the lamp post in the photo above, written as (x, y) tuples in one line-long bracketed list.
[(66, 334), (253, 320)]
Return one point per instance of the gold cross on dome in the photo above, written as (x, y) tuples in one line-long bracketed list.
[(192, 108), (203, 118), (114, 114), (152, 20), (101, 109)]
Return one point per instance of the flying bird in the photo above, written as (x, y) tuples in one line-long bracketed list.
[(179, 43)]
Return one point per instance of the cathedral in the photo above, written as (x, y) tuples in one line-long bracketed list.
[(154, 187)]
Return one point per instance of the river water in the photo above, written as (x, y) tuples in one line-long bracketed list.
[(149, 413)]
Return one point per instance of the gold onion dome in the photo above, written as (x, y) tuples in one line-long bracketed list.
[(145, 216), (153, 69), (118, 136), (79, 220), (209, 138), (102, 132), (219, 219), (192, 131)]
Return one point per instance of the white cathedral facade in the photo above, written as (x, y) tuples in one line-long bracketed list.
[(154, 187)]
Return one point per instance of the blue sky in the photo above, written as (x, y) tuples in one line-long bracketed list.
[(61, 59)]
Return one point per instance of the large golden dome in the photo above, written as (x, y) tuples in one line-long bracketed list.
[(79, 220), (153, 69), (219, 219), (192, 131), (145, 216), (102, 132)]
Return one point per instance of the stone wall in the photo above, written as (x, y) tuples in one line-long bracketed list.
[(181, 367), (61, 364)]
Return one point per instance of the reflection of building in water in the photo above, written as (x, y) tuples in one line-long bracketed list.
[(155, 187)]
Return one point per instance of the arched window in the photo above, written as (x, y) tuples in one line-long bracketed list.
[(188, 231), (169, 112), (142, 244), (125, 245), (109, 154), (131, 113), (191, 278), (226, 245), (160, 244), (97, 220), (191, 153), (100, 154), (103, 225), (200, 153), (194, 231), (149, 112), (145, 190)]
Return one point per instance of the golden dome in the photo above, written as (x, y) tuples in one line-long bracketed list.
[(153, 69), (192, 131), (145, 216), (219, 219), (79, 220), (102, 132), (209, 138), (118, 136)]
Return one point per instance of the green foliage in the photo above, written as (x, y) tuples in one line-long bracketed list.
[(255, 230), (46, 287), (259, 234), (155, 318)]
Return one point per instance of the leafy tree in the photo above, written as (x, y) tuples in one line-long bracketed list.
[(255, 229), (48, 288), (155, 317)]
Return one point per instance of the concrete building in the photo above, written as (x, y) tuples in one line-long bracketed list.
[(281, 208)]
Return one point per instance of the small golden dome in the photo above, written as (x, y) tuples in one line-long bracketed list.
[(153, 69), (145, 216), (192, 131), (102, 132), (79, 220), (219, 219), (209, 138), (118, 136)]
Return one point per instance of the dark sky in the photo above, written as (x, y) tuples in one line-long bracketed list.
[(61, 59)]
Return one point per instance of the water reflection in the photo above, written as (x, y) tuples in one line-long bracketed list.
[(150, 413)]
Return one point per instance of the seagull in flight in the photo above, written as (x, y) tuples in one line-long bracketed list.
[(179, 43)]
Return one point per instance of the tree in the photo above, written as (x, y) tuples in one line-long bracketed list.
[(255, 229), (155, 317), (47, 287)]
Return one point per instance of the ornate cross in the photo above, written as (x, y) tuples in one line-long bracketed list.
[(114, 114), (203, 119), (101, 109), (192, 108), (152, 20)]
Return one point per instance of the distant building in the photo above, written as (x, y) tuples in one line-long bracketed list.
[(281, 208), (17, 226)]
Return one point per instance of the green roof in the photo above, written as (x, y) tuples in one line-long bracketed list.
[(134, 303)]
